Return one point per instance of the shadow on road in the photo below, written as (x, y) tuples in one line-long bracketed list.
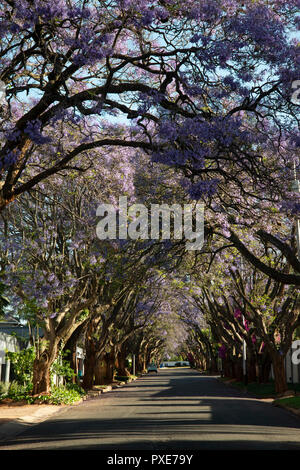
[(175, 410)]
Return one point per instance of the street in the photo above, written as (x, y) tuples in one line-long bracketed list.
[(177, 409)]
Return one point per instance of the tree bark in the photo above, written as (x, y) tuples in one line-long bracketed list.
[(110, 362), (144, 363), (89, 366), (213, 365), (239, 369), (41, 368), (122, 369), (265, 367), (100, 371), (41, 376), (90, 354), (251, 369), (279, 374), (139, 363)]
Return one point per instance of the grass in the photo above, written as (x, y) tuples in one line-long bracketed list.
[(292, 402), (266, 390)]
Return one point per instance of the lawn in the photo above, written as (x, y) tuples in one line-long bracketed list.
[(266, 390), (292, 402)]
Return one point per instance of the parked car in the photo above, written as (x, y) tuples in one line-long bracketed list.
[(152, 368)]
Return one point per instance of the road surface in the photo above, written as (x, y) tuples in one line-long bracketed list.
[(176, 409)]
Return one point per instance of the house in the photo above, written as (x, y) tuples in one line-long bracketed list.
[(15, 336)]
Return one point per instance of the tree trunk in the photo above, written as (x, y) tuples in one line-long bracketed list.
[(239, 369), (100, 371), (122, 370), (41, 376), (110, 362), (266, 363), (144, 363), (139, 363), (41, 369), (213, 365), (227, 368), (90, 355), (89, 367), (279, 374), (251, 369)]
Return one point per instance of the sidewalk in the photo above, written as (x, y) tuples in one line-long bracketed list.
[(15, 419)]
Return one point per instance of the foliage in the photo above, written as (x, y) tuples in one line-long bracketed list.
[(219, 83), (62, 395), (3, 389), (22, 362), (18, 392), (4, 301), (62, 368), (59, 395)]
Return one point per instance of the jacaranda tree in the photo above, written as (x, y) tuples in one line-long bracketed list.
[(205, 85)]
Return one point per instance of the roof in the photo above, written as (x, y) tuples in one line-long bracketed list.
[(16, 329)]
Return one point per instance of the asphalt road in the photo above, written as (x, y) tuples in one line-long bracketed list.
[(173, 410)]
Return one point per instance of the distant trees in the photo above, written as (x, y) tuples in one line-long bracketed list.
[(77, 286), (236, 303)]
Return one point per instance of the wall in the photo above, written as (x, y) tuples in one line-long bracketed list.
[(7, 343)]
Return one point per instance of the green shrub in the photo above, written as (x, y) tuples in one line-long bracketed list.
[(3, 389), (64, 395), (59, 395), (17, 392), (76, 388), (62, 368), (22, 362)]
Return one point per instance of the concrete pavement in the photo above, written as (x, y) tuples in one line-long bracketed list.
[(16, 419)]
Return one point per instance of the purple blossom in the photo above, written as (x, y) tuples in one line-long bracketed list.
[(230, 81), (246, 325), (33, 130), (202, 188), (237, 313)]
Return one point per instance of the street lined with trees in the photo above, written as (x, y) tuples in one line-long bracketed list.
[(164, 102)]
